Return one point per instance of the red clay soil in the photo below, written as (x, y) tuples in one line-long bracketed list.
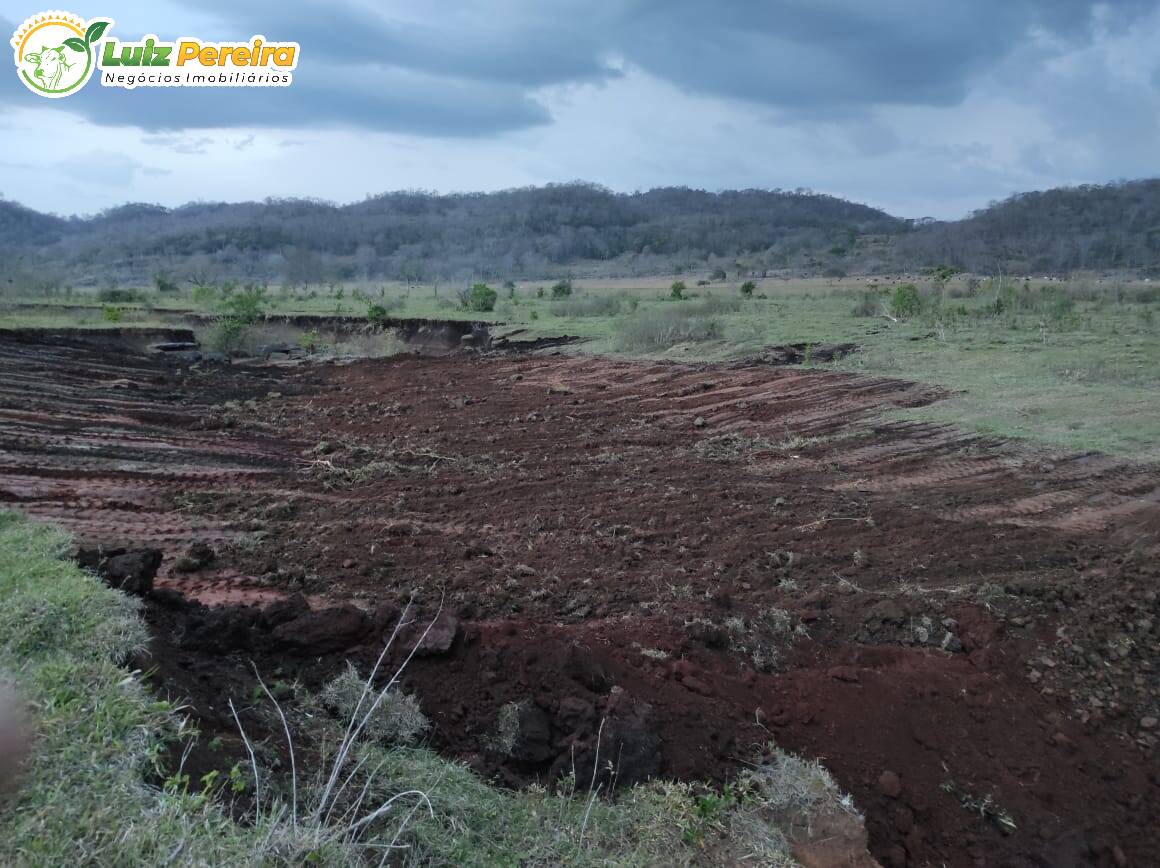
[(707, 558)]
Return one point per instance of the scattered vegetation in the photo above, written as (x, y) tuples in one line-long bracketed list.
[(115, 295), (588, 305), (732, 446), (762, 637), (657, 330)]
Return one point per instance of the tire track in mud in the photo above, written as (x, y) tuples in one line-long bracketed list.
[(576, 515), (1100, 493), (99, 443)]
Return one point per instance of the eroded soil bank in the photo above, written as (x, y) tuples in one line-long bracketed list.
[(707, 558)]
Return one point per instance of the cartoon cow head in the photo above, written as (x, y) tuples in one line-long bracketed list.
[(50, 66)]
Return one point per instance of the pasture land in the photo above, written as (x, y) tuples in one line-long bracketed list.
[(1074, 365)]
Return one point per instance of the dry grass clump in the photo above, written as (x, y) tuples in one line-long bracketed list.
[(588, 305), (507, 728), (762, 637), (398, 720), (660, 328)]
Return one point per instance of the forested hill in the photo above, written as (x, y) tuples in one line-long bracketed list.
[(574, 228), (1112, 227), (533, 232)]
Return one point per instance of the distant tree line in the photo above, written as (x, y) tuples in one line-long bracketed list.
[(560, 230), (1093, 227)]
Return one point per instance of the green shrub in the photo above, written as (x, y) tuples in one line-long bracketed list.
[(378, 312), (246, 306), (112, 313), (227, 335), (905, 302), (1058, 304), (310, 341), (113, 295), (747, 288), (480, 298), (870, 304), (1006, 298), (377, 315), (165, 284), (561, 289), (205, 295), (677, 290)]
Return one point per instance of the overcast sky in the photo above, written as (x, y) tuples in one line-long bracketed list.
[(921, 107)]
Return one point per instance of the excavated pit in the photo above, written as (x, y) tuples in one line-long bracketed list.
[(707, 558)]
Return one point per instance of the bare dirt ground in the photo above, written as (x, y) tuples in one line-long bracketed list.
[(708, 558)]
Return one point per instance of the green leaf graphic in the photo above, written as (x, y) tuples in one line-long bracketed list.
[(96, 31), (76, 44)]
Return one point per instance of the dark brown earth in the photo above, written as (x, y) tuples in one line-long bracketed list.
[(964, 620)]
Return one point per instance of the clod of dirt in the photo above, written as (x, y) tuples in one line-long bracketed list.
[(281, 611), (440, 637), (198, 556), (219, 630), (889, 784), (533, 744), (129, 571), (324, 631), (833, 837), (886, 611), (627, 737)]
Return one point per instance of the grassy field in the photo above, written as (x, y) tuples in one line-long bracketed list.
[(98, 790), (1072, 365)]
